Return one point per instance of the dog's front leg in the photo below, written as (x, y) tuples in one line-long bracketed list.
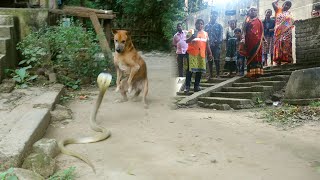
[(133, 71), (119, 76)]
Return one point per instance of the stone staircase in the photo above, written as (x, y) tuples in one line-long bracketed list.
[(244, 93), (8, 41), (203, 85)]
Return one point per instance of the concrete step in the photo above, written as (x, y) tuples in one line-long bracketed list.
[(179, 97), (182, 93), (6, 31), (276, 73), (26, 123), (239, 95), (4, 45), (248, 89), (6, 20), (264, 83), (207, 84), (3, 66), (213, 80), (216, 80), (270, 78), (232, 102)]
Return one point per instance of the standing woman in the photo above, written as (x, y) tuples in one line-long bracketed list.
[(253, 37), (198, 47), (282, 51)]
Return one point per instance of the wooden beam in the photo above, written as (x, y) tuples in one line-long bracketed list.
[(85, 9), (102, 39), (81, 14)]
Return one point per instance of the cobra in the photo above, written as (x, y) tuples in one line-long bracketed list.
[(103, 80)]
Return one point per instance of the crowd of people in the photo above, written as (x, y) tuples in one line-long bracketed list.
[(247, 47)]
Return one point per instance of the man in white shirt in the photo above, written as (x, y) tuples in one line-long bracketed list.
[(179, 41)]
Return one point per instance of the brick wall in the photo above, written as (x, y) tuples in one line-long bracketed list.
[(308, 40)]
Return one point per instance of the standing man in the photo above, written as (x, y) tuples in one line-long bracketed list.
[(215, 32), (268, 25), (179, 41)]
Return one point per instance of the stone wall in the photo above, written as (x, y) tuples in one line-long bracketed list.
[(29, 20), (308, 40)]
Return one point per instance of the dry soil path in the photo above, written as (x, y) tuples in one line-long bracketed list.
[(161, 143)]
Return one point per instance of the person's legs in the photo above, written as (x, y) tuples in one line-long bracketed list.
[(216, 55), (210, 67), (217, 63), (242, 64), (197, 81), (188, 80), (265, 59), (180, 64)]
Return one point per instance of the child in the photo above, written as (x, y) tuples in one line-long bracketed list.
[(231, 55), (240, 52)]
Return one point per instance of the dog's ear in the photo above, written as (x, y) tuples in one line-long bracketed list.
[(114, 31), (128, 33)]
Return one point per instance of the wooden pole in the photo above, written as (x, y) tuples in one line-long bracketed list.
[(187, 12), (102, 39)]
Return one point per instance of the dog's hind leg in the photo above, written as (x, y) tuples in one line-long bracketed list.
[(123, 90), (119, 76), (136, 94), (145, 92), (133, 72)]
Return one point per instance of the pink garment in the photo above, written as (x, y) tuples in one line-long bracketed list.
[(179, 40)]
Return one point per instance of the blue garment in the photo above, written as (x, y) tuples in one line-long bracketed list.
[(215, 33), (267, 25)]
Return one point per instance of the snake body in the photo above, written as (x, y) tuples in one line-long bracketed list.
[(103, 81)]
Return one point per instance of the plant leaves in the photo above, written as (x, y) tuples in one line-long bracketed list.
[(17, 79), (12, 177), (23, 85), (32, 77)]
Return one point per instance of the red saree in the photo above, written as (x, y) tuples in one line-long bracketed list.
[(253, 29), (283, 37)]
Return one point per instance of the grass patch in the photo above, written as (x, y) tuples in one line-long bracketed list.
[(66, 174), (315, 104), (288, 116)]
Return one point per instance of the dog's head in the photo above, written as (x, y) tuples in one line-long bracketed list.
[(122, 40)]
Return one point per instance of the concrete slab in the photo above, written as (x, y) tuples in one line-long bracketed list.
[(248, 89), (6, 31), (232, 102), (239, 95), (6, 20), (206, 92), (24, 118), (16, 144)]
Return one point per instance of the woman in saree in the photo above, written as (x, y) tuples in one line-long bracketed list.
[(282, 51), (253, 37)]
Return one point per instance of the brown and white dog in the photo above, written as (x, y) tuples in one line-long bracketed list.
[(128, 62)]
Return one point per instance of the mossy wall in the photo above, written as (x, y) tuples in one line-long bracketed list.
[(29, 20)]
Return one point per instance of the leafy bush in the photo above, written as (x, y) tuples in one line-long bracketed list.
[(8, 175), (21, 76), (68, 50)]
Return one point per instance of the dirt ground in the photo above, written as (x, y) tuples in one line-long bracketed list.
[(161, 143)]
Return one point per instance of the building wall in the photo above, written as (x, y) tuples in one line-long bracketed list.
[(308, 40), (29, 20), (300, 9)]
